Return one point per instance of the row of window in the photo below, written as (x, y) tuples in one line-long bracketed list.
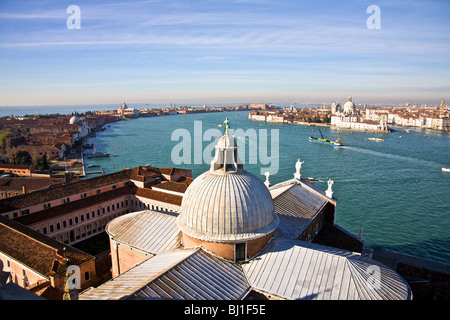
[(48, 205), (83, 217)]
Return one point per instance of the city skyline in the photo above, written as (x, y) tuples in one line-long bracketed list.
[(240, 51)]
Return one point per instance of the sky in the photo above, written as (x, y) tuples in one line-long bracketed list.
[(219, 52)]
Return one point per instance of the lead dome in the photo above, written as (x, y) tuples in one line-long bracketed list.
[(227, 205)]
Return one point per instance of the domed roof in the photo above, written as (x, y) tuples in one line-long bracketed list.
[(227, 203), (349, 106), (74, 120)]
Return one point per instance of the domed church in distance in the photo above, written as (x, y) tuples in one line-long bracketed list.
[(239, 238)]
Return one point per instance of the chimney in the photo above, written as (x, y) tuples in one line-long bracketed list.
[(24, 189)]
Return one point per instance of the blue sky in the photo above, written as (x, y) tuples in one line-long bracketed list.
[(236, 51)]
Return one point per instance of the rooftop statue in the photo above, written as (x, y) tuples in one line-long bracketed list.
[(226, 125)]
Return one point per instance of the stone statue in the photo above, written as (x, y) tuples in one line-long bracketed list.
[(298, 168), (329, 192), (226, 125), (267, 182)]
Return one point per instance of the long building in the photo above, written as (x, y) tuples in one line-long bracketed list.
[(53, 219)]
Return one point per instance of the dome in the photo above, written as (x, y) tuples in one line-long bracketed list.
[(74, 120), (349, 106), (227, 204), (227, 207)]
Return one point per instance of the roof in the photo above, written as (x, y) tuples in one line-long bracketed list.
[(36, 251), (162, 233), (296, 204), (56, 192), (181, 274), (294, 269), (30, 183), (227, 207), (73, 206)]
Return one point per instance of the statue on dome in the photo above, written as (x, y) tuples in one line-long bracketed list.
[(226, 125)]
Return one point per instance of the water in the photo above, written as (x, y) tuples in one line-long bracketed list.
[(394, 189)]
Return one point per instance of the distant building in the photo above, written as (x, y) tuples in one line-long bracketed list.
[(350, 118)]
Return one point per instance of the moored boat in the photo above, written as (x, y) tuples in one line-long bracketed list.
[(98, 155), (446, 169)]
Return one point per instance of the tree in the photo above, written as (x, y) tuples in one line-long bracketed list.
[(22, 158), (41, 163)]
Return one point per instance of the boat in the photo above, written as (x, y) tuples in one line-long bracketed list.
[(310, 179), (446, 169), (93, 165), (337, 143), (375, 139), (97, 154)]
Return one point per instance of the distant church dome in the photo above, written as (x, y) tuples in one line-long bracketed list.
[(227, 205), (75, 119), (349, 107)]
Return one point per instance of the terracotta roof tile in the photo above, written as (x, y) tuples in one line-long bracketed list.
[(36, 250)]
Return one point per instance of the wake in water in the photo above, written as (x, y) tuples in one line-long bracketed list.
[(394, 156)]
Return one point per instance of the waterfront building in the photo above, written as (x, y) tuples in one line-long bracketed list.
[(350, 118), (236, 238)]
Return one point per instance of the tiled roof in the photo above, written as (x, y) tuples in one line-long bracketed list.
[(36, 251), (172, 186), (159, 196), (74, 206), (41, 196), (31, 184)]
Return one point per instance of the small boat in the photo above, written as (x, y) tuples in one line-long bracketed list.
[(375, 139), (310, 179), (337, 143), (97, 154), (93, 165), (446, 169)]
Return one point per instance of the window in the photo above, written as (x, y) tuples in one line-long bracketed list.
[(240, 252), (83, 195), (76, 219), (58, 226), (66, 200), (98, 191), (70, 222), (47, 206), (114, 187), (51, 228), (44, 230), (82, 217), (87, 276), (64, 224), (25, 212)]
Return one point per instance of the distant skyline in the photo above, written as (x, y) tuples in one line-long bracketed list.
[(218, 52)]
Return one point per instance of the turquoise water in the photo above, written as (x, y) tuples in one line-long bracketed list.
[(394, 189)]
